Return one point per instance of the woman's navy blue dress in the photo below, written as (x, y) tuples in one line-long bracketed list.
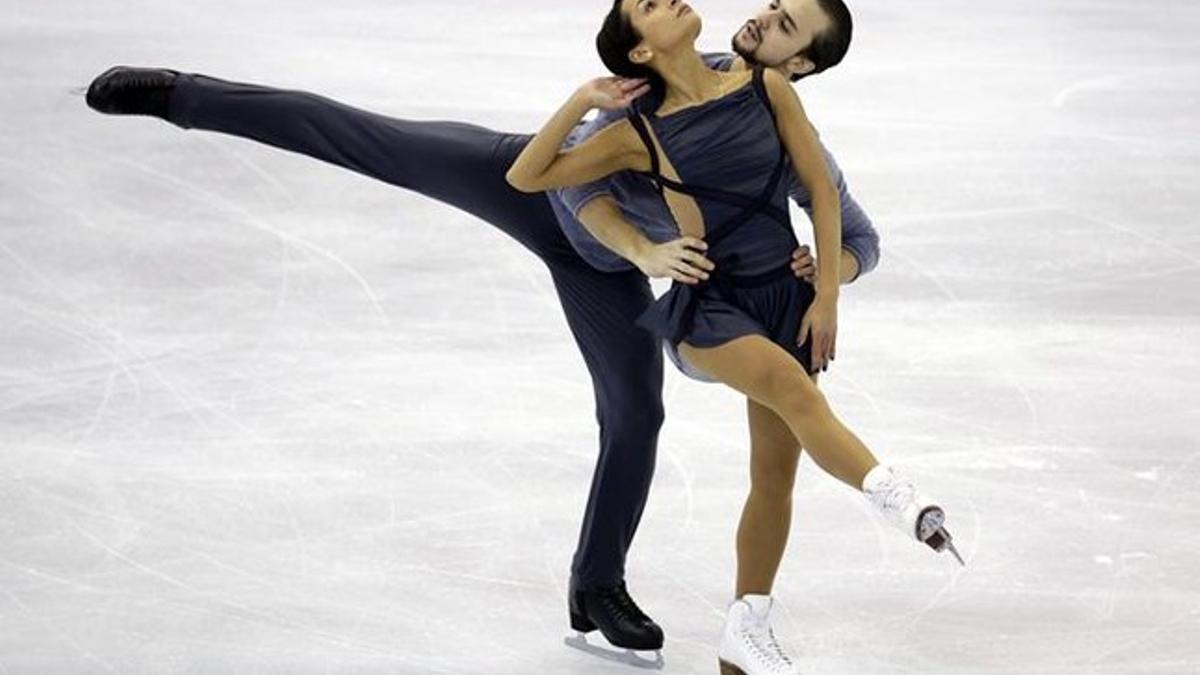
[(730, 159)]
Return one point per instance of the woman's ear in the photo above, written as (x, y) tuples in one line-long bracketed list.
[(641, 54)]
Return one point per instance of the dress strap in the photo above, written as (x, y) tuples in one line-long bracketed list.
[(763, 201), (750, 205), (639, 125), (760, 88)]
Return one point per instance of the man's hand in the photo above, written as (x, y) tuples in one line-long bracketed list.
[(805, 265), (682, 260)]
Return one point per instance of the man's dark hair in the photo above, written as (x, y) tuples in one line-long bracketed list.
[(829, 47), (618, 37)]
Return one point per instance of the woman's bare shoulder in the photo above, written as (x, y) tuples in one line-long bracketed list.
[(776, 82)]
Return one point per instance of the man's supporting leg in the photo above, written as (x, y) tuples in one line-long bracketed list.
[(626, 366)]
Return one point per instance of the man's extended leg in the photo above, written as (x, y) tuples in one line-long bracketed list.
[(460, 164)]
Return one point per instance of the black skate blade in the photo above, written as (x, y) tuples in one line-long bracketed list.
[(941, 541), (938, 540), (626, 657)]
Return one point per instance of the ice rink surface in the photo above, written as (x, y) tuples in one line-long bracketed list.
[(261, 415)]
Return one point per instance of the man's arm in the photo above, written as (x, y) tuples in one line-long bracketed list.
[(860, 240), (805, 265), (850, 267)]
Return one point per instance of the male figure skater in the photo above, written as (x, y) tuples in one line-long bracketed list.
[(464, 166)]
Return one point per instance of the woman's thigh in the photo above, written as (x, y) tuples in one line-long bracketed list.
[(756, 367), (774, 450)]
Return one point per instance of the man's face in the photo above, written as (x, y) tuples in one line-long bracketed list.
[(780, 31)]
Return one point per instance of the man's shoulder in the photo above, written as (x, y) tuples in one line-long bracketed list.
[(719, 60), (587, 129)]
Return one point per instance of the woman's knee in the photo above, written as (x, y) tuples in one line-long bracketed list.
[(792, 395)]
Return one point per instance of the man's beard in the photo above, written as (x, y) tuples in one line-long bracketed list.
[(747, 55)]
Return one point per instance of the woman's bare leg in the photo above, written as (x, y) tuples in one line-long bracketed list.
[(767, 374), (767, 516)]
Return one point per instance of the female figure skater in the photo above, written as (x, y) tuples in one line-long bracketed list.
[(718, 145)]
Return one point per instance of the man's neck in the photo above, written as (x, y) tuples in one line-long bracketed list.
[(740, 63)]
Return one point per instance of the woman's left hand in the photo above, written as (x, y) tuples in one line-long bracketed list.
[(820, 325)]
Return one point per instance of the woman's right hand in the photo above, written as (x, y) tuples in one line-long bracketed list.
[(681, 259), (612, 93)]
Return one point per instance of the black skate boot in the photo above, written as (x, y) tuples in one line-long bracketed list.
[(122, 90), (618, 618)]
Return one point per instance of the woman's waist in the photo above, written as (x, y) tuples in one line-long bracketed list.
[(737, 258), (732, 272)]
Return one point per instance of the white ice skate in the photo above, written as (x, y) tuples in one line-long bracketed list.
[(748, 646), (897, 499)]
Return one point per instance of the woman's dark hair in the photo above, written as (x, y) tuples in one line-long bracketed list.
[(830, 46), (618, 37)]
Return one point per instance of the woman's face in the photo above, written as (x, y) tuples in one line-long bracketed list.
[(663, 24)]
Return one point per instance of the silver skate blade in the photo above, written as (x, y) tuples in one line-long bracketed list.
[(950, 546), (626, 657)]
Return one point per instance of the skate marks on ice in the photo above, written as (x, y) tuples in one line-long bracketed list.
[(235, 491), (607, 652)]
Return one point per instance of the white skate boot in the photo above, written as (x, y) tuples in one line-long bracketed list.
[(901, 505), (748, 646)]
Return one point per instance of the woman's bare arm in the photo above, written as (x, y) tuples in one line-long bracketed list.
[(809, 163), (544, 165)]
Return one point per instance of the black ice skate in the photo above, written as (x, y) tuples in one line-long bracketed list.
[(122, 90), (621, 622)]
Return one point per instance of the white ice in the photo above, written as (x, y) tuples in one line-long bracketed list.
[(259, 414)]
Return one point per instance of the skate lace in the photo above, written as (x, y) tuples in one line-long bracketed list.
[(760, 637), (895, 495), (623, 606), (144, 79)]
